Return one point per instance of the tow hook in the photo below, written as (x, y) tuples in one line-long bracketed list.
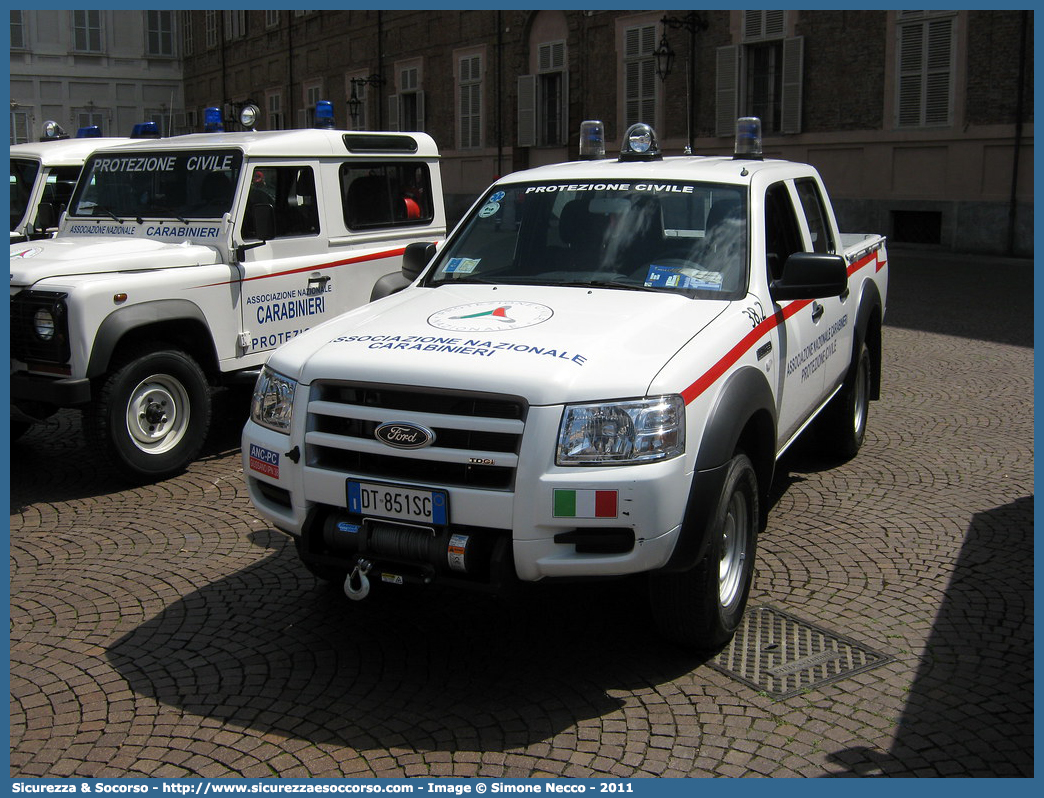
[(357, 585)]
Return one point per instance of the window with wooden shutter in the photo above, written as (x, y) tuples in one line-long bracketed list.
[(552, 94), (408, 113), (759, 25), (470, 88), (527, 110), (18, 38), (762, 77), (639, 75), (925, 72), (726, 90), (87, 31)]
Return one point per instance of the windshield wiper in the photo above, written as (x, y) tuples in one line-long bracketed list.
[(108, 213), (607, 284), (171, 213)]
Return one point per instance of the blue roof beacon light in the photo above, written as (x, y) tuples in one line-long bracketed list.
[(145, 130), (592, 140), (212, 121), (748, 139), (89, 132), (324, 115)]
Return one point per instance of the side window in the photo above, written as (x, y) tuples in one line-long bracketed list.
[(290, 190), (782, 233), (60, 184), (816, 215), (385, 194)]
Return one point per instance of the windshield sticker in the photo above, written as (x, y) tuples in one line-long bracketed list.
[(461, 265), (489, 209), (682, 277), (656, 188), (489, 316), (475, 347)]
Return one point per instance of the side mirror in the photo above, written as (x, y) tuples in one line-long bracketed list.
[(46, 218), (415, 258), (811, 275)]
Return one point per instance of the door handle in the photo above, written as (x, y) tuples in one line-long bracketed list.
[(318, 282), (817, 311)]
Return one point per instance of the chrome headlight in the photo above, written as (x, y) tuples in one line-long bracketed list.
[(622, 433), (272, 404)]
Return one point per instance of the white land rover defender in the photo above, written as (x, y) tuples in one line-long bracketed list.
[(594, 376), (180, 264), (43, 175)]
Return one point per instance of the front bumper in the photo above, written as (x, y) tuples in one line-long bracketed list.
[(55, 391), (637, 533)]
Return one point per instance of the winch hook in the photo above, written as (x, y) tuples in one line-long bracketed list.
[(357, 585)]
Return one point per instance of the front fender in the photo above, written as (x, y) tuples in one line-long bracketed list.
[(123, 320), (743, 417)]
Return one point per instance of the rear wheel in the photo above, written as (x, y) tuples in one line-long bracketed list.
[(152, 413), (701, 608), (845, 420)]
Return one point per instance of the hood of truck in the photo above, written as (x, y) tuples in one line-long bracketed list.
[(548, 345), (34, 261)]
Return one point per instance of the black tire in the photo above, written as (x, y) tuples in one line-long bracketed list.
[(701, 608), (151, 414), (18, 429), (324, 573), (844, 423)]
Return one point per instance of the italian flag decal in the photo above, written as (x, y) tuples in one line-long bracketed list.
[(585, 504)]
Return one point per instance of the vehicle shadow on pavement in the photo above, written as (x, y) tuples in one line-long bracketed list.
[(974, 686), (53, 463), (271, 649)]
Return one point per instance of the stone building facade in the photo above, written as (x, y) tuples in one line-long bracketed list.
[(921, 122)]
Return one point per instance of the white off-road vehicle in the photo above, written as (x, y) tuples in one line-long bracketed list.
[(181, 264), (594, 376)]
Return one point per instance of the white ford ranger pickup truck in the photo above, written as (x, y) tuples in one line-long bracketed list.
[(181, 264), (593, 376)]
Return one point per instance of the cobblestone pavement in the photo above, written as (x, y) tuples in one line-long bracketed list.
[(166, 631)]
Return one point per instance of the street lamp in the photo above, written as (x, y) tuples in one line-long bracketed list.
[(354, 103), (664, 55)]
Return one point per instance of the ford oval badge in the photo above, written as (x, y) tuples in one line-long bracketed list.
[(404, 435)]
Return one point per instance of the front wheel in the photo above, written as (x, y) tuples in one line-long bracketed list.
[(701, 608), (152, 413)]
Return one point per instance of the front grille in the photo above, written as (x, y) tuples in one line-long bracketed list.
[(477, 436)]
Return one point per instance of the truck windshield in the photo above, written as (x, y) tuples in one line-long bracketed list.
[(23, 173), (198, 184), (682, 237)]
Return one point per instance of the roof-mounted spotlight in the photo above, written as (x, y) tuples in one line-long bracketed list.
[(640, 144), (248, 116), (52, 131)]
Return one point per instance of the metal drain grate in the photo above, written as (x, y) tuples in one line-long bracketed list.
[(781, 655)]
